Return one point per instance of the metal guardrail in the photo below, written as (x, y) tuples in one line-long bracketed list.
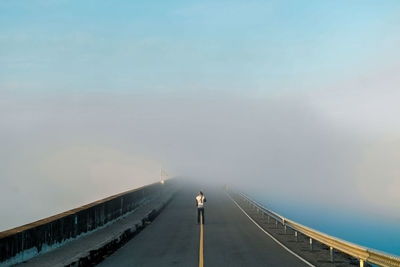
[(364, 254)]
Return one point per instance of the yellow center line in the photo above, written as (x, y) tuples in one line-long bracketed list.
[(201, 264)]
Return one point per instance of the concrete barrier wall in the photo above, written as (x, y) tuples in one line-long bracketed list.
[(29, 240)]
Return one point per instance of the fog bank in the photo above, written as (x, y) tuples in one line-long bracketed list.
[(60, 151)]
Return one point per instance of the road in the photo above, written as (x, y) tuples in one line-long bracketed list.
[(229, 237)]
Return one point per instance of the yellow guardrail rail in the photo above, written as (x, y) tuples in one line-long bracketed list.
[(362, 253)]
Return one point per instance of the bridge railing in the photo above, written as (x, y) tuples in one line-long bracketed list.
[(27, 241), (364, 254)]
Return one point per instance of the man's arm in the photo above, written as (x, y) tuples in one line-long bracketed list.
[(196, 203)]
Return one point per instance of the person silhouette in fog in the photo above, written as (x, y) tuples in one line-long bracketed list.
[(200, 199)]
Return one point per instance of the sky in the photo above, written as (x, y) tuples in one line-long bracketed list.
[(294, 100)]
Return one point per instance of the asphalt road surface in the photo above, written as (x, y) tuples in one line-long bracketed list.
[(229, 237)]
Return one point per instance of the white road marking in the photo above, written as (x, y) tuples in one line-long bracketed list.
[(273, 238)]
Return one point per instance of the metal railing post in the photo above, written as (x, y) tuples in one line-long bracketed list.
[(332, 254), (295, 236), (284, 225), (311, 244)]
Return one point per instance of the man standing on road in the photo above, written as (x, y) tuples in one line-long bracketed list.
[(200, 199)]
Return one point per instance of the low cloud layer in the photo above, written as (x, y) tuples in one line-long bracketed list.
[(60, 151)]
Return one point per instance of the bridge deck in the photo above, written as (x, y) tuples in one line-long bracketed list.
[(230, 238)]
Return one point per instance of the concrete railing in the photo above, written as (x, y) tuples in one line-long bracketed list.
[(27, 241), (362, 253)]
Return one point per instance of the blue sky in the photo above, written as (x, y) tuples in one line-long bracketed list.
[(177, 45)]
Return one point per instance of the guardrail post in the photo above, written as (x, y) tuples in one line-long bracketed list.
[(361, 263), (295, 235), (276, 224), (311, 245), (268, 218), (332, 253), (284, 225)]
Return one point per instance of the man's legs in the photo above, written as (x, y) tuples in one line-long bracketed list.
[(198, 215), (201, 211)]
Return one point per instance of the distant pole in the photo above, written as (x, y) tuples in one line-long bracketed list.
[(163, 175)]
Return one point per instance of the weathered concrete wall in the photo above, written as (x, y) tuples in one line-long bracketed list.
[(29, 240)]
